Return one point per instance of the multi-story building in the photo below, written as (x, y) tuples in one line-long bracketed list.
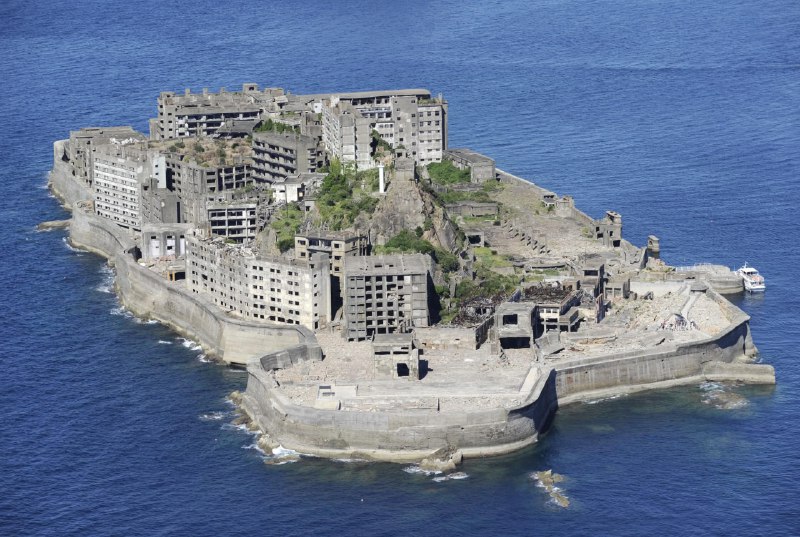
[(232, 217), (203, 114), (259, 288), (408, 119), (385, 294), (122, 171), (337, 245), (278, 156), (82, 144), (200, 169)]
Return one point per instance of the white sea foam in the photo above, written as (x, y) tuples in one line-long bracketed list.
[(455, 476), (281, 455), (191, 345), (214, 416), (416, 470), (203, 358), (709, 386), (70, 247), (255, 447), (107, 285), (162, 342), (603, 399), (122, 312)]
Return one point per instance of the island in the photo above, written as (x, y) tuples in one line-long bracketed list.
[(391, 298)]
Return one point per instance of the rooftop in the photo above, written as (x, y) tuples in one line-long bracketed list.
[(387, 264)]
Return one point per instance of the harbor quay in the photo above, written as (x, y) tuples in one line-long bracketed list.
[(390, 297)]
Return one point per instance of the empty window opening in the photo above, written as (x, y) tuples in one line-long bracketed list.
[(402, 370)]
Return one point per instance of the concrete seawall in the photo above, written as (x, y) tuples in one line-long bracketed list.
[(724, 356), (149, 295), (399, 434)]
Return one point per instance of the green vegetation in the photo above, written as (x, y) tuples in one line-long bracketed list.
[(379, 143), (409, 242), (454, 196), (198, 147), (276, 126), (286, 224), (342, 196), (445, 173), (490, 259)]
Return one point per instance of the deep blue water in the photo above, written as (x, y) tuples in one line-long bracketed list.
[(684, 116)]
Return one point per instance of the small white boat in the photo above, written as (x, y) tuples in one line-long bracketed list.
[(753, 281)]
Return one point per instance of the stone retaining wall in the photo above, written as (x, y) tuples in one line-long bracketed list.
[(147, 294), (401, 435)]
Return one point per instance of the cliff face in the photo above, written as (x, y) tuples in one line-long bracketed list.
[(407, 206)]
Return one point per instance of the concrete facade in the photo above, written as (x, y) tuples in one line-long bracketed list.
[(279, 156), (203, 114), (337, 245), (164, 240), (295, 188), (481, 167), (121, 172), (385, 294), (259, 288), (79, 150), (409, 119), (608, 230)]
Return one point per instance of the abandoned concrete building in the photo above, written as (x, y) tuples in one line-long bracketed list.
[(232, 217), (608, 230), (481, 167), (296, 187), (473, 209), (259, 288), (278, 156), (122, 171), (82, 144), (164, 240), (385, 294), (557, 307), (394, 357), (516, 324), (338, 245), (410, 119), (203, 114)]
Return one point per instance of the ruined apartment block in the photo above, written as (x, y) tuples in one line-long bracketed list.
[(406, 119), (338, 245), (385, 294), (279, 156), (204, 114), (122, 172), (259, 288), (82, 144)]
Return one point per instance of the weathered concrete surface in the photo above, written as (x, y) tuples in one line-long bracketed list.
[(61, 182), (149, 295), (400, 435), (403, 434)]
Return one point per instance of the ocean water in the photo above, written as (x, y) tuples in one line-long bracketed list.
[(683, 116)]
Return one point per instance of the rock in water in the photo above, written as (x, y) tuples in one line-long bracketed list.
[(442, 460), (548, 479)]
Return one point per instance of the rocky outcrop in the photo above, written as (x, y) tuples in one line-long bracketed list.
[(548, 479), (444, 460), (53, 224)]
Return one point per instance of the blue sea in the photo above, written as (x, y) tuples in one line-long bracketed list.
[(682, 115)]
